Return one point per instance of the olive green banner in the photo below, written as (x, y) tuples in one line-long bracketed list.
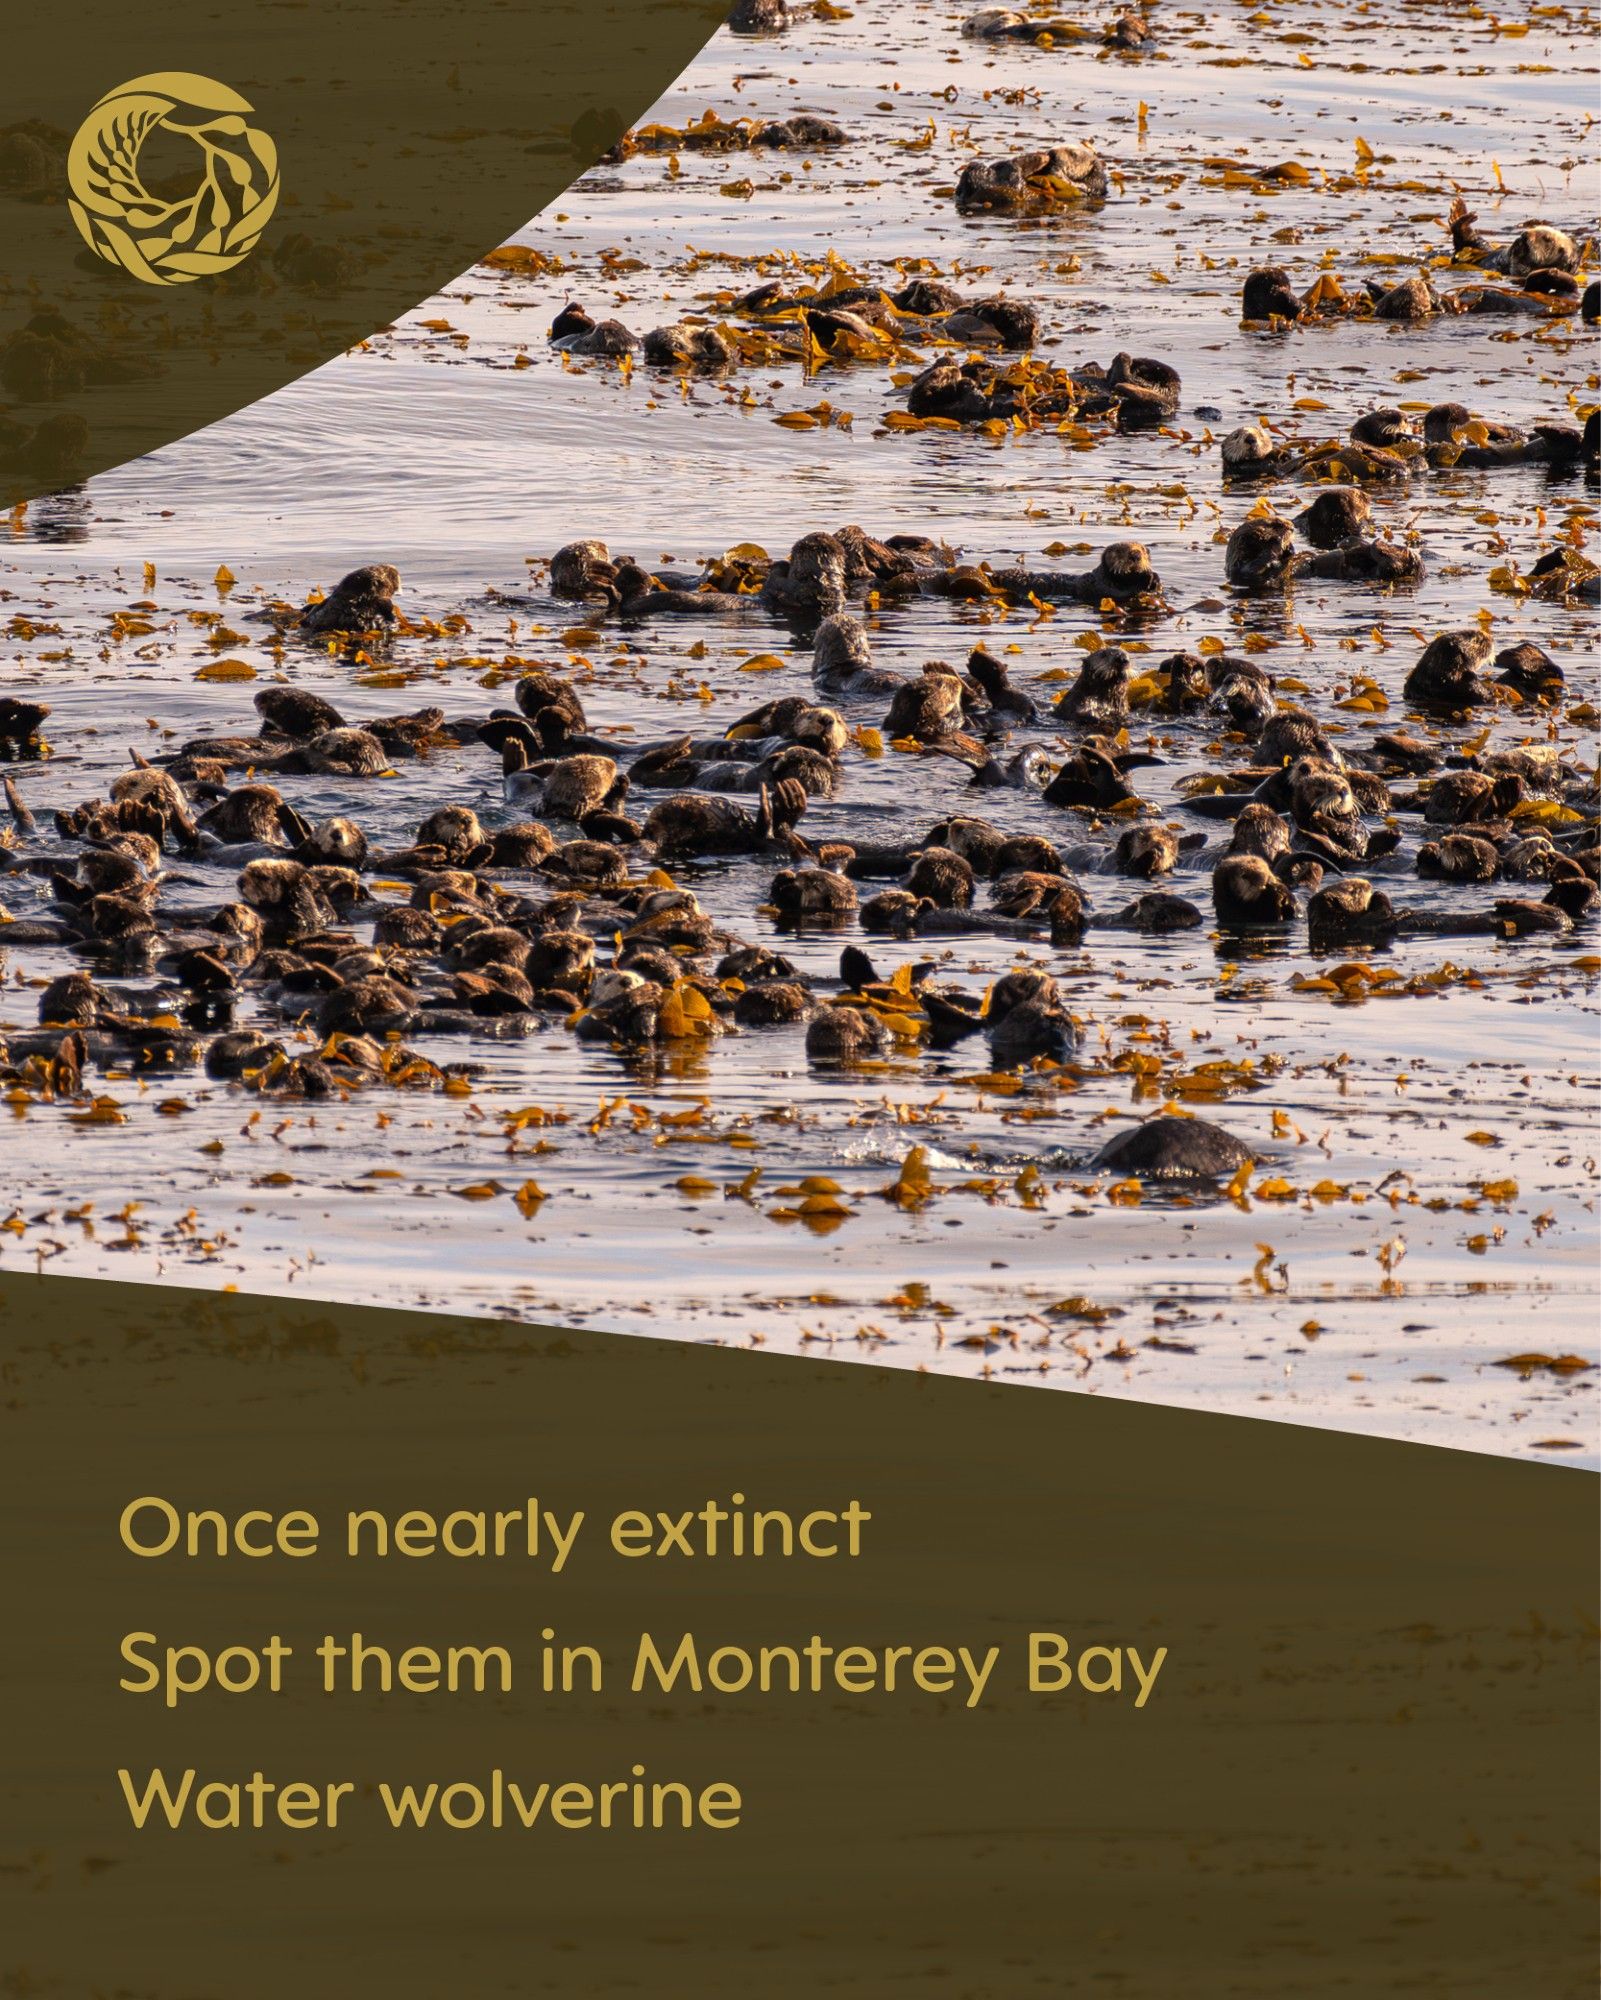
[(353, 1652), (200, 203)]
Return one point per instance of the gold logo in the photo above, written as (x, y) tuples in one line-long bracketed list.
[(172, 242)]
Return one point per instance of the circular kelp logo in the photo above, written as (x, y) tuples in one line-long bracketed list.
[(207, 229)]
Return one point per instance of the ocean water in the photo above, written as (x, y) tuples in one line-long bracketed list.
[(1430, 1141)]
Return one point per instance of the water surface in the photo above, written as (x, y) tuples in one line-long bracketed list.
[(1385, 1289)]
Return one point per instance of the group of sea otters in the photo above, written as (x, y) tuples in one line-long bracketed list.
[(1127, 32), (563, 909), (988, 375), (212, 922)]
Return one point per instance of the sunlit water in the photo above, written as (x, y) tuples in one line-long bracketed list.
[(465, 455)]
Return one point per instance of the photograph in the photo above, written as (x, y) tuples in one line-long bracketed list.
[(947, 717)]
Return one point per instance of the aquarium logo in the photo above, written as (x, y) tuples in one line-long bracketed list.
[(211, 228)]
